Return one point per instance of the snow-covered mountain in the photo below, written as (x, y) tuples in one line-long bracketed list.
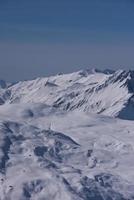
[(107, 92), (62, 137)]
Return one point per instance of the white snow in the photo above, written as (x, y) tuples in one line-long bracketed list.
[(49, 151)]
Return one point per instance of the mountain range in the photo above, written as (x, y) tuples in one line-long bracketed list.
[(68, 136)]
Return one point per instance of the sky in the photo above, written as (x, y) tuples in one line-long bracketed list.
[(45, 37)]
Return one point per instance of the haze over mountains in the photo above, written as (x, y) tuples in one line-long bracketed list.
[(68, 136)]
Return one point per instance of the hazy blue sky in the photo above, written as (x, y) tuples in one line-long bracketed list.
[(43, 37)]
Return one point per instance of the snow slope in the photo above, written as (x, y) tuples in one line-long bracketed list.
[(60, 155), (59, 138), (106, 92)]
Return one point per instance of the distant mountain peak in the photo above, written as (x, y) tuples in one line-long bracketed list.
[(3, 84), (96, 70)]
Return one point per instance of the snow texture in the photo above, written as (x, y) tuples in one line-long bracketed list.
[(68, 137)]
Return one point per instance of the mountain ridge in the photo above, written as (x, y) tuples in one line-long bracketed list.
[(97, 91)]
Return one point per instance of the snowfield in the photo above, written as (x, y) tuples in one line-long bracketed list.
[(68, 137)]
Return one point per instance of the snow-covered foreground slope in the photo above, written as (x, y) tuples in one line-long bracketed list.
[(59, 138), (47, 154)]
